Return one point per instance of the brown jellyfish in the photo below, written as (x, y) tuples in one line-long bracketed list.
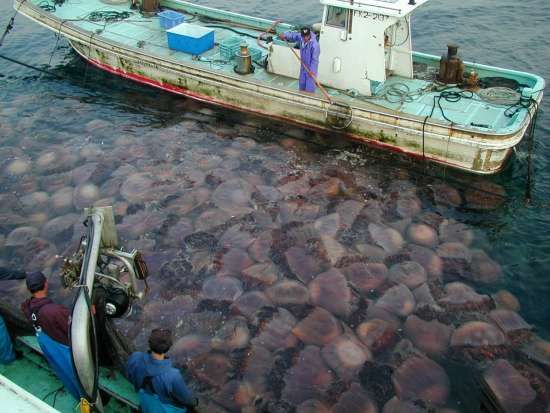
[(18, 167), (328, 225), (304, 266), (85, 195), (268, 193), (212, 368), (263, 274), (330, 188), (408, 206), (211, 219), (424, 298), (355, 400), (260, 249), (506, 300), (511, 323), (234, 237), (188, 347), (62, 200), (250, 302), (422, 234), (432, 263), (234, 334), (432, 337), (459, 296), (539, 351), (278, 332), (312, 406), (453, 231), (377, 334), (456, 256), (477, 334), (234, 262), (142, 222), (420, 378), (409, 273), (35, 201), (137, 187), (20, 236), (178, 231), (346, 355), (330, 290), (397, 300), (446, 195), (333, 250), (319, 328), (234, 197), (348, 212), (484, 269), (292, 186), (387, 238), (394, 405), (257, 365), (60, 228), (222, 288), (511, 390), (288, 292), (308, 379), (366, 277)]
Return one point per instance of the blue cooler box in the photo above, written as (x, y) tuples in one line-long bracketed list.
[(190, 38)]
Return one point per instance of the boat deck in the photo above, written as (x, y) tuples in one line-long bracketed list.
[(142, 32)]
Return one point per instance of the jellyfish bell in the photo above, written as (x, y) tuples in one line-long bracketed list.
[(512, 390), (459, 296), (366, 277), (420, 378), (422, 234), (330, 290), (355, 400), (387, 238), (397, 300), (288, 292), (346, 355), (222, 288), (409, 273), (377, 334), (432, 337), (319, 328), (309, 378)]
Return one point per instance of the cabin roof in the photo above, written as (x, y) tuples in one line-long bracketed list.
[(394, 8)]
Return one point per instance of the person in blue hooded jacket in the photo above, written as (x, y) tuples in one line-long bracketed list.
[(309, 54), (160, 386), (7, 354)]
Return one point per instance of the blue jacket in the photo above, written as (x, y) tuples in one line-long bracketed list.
[(166, 381)]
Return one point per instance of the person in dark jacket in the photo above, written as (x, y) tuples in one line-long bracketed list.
[(51, 322), (7, 355), (160, 386)]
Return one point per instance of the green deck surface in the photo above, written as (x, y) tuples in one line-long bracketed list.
[(32, 373), (146, 33)]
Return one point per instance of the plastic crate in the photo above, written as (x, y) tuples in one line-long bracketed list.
[(170, 18), (255, 54), (229, 47), (190, 38)]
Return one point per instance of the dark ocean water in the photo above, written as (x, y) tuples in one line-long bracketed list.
[(85, 108)]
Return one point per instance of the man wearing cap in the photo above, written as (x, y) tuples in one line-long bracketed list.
[(7, 355), (51, 323), (160, 386), (309, 54)]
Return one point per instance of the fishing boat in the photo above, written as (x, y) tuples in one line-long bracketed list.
[(371, 86)]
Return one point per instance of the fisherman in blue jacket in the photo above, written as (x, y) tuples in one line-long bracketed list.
[(160, 386), (309, 54)]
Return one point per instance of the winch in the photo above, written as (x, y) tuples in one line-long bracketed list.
[(103, 275)]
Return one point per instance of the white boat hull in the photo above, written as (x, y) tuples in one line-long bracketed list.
[(431, 140)]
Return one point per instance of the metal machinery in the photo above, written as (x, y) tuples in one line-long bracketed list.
[(99, 265)]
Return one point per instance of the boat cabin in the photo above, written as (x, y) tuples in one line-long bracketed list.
[(362, 44)]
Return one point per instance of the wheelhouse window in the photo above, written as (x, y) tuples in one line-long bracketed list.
[(336, 17)]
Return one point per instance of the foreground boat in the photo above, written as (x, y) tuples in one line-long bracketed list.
[(375, 90)]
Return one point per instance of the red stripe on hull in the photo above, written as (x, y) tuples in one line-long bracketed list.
[(207, 99)]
